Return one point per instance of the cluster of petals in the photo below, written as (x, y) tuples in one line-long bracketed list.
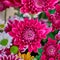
[(35, 6), (5, 37), (51, 50), (57, 37), (27, 33), (10, 3), (4, 4), (10, 57), (55, 18)]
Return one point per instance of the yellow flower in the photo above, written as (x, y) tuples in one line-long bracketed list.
[(25, 56)]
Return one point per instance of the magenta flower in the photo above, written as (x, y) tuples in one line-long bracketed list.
[(16, 3), (51, 50), (55, 18), (27, 33), (10, 3), (57, 37), (35, 6), (4, 4)]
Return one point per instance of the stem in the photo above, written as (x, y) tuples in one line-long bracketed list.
[(5, 16), (18, 11)]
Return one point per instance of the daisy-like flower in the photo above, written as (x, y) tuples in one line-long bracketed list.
[(28, 33), (55, 18), (35, 6), (9, 57), (51, 50), (25, 56), (5, 41)]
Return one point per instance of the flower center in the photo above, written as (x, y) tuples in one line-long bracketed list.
[(4, 42), (29, 34), (51, 50)]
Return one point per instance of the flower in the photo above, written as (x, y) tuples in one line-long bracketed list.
[(55, 18), (29, 7), (5, 41), (10, 21), (35, 6), (25, 56), (10, 3), (9, 57), (16, 3), (4, 4), (27, 33), (51, 50), (57, 37)]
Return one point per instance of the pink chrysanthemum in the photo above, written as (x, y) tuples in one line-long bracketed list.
[(51, 50), (5, 54), (35, 6), (10, 3), (55, 18), (57, 37), (27, 33), (16, 3), (4, 4)]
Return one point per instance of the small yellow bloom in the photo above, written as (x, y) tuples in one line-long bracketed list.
[(25, 56)]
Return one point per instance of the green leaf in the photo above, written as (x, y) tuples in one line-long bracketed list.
[(14, 49), (42, 15), (38, 57), (40, 50), (51, 35), (4, 42), (52, 11), (35, 59)]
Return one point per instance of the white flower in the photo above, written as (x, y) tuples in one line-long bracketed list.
[(15, 17), (5, 41)]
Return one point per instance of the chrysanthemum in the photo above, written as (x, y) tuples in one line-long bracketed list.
[(5, 41), (4, 4), (57, 37), (51, 50), (35, 6), (16, 3), (9, 57), (55, 18), (28, 33), (11, 20)]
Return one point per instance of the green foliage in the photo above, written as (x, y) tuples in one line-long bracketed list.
[(52, 34), (42, 15), (52, 11), (40, 50)]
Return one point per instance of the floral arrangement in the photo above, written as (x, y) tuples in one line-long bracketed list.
[(33, 33)]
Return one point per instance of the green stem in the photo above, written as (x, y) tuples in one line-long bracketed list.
[(5, 16), (18, 11)]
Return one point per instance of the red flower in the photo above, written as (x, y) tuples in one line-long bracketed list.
[(16, 3), (51, 50), (35, 6), (4, 4), (57, 37), (55, 18), (28, 33)]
